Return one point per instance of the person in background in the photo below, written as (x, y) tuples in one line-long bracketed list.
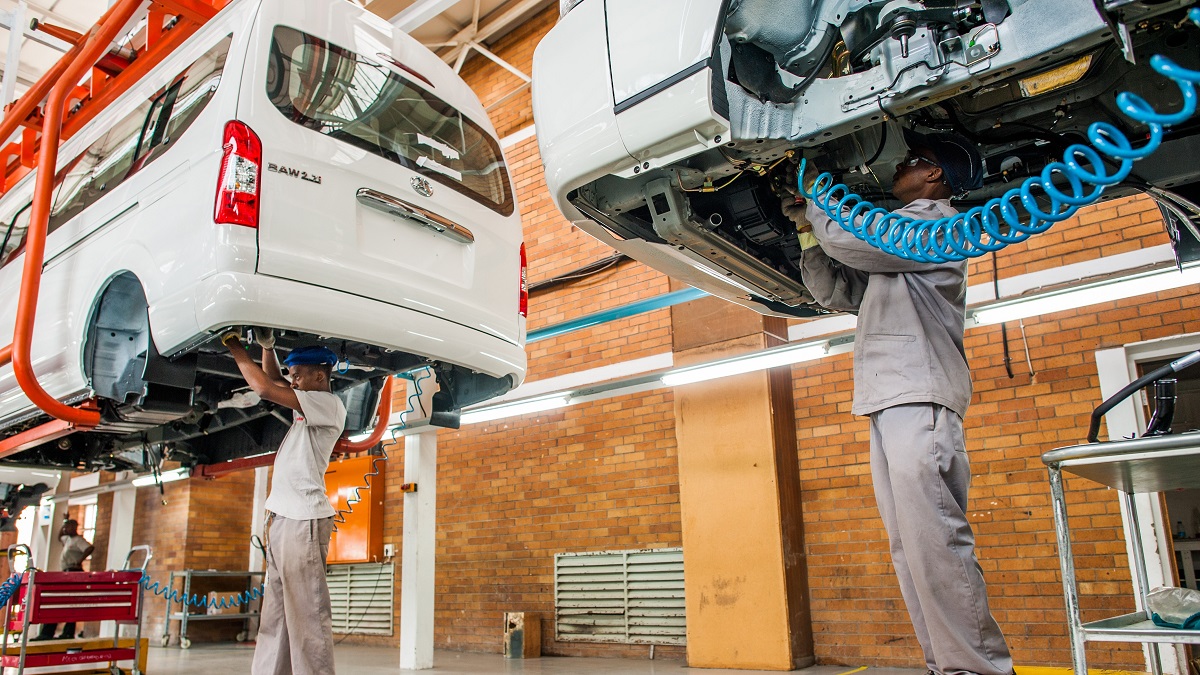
[(75, 549), (911, 378)]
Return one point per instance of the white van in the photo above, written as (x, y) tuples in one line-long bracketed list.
[(298, 165), (671, 130)]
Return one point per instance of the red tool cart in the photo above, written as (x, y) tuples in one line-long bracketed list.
[(60, 597)]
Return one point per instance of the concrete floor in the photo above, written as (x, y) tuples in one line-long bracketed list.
[(206, 660)]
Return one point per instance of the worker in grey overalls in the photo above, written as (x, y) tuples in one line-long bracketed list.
[(911, 379), (295, 629)]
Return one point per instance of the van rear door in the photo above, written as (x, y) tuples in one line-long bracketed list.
[(381, 175)]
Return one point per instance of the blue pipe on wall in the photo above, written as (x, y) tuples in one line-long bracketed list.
[(624, 311)]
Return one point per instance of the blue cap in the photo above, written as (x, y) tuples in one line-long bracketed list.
[(958, 157), (311, 356)]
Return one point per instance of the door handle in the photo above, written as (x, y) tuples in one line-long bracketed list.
[(415, 214)]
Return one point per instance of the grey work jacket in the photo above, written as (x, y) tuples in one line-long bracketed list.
[(909, 343)]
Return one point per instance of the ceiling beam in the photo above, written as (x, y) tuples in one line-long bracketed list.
[(419, 13), (493, 26), (24, 77)]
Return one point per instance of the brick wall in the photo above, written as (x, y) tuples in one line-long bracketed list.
[(513, 493)]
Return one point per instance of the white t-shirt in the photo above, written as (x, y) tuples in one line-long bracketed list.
[(74, 547), (298, 483)]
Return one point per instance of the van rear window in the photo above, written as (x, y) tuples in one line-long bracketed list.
[(354, 99)]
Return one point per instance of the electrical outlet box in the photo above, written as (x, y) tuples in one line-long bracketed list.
[(389, 550)]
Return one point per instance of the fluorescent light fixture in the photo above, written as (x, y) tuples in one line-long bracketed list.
[(518, 408), (785, 356), (164, 477), (1088, 294)]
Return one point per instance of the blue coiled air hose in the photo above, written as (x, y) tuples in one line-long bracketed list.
[(997, 222), (9, 587)]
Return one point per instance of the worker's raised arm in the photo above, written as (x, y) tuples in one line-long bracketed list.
[(265, 337), (270, 366), (256, 377), (833, 285)]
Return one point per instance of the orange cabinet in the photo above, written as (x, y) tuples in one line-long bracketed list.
[(360, 538)]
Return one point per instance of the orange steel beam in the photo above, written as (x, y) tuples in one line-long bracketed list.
[(50, 431), (193, 10), (211, 471), (64, 34), (345, 446), (44, 433), (35, 243), (118, 73), (21, 109), (120, 84)]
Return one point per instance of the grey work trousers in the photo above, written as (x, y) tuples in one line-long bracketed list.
[(921, 474), (295, 630)]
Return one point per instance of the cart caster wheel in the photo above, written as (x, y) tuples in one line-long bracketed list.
[(164, 641), (185, 643), (242, 636)]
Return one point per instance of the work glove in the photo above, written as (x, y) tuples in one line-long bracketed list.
[(265, 337), (793, 208), (229, 336), (810, 178)]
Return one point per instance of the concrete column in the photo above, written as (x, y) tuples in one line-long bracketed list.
[(120, 529), (417, 557), (46, 545), (16, 38), (120, 540), (739, 483), (258, 517)]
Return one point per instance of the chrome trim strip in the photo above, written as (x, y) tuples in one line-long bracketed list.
[(413, 213)]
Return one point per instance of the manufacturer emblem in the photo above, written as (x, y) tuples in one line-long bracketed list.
[(422, 186)]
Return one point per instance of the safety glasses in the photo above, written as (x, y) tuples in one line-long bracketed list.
[(912, 160)]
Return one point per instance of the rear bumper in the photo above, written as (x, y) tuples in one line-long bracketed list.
[(239, 299)]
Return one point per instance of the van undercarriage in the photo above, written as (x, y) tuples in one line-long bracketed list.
[(837, 82), (194, 407)]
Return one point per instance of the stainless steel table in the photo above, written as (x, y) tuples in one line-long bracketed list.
[(1154, 464)]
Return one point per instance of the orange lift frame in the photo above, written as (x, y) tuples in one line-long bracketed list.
[(68, 107)]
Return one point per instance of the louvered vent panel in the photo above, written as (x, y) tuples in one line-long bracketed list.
[(620, 596), (361, 596)]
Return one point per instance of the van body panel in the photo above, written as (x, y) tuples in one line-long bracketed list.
[(313, 229), (577, 131), (368, 277), (128, 228), (243, 299)]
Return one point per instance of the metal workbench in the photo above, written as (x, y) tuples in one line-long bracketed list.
[(185, 616), (1155, 464)]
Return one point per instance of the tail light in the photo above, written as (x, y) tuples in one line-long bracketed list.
[(524, 305), (238, 186)]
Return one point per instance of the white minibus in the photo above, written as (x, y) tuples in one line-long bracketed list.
[(299, 165)]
